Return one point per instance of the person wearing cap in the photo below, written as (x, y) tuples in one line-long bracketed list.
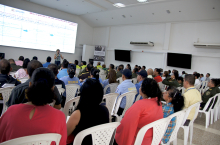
[(157, 75), (140, 77), (124, 87), (99, 65), (57, 57)]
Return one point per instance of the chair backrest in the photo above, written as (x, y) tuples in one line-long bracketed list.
[(159, 128), (70, 106), (161, 86), (71, 91), (205, 84), (120, 80), (40, 139), (206, 108), (77, 72), (134, 80), (215, 105), (101, 134), (113, 87), (188, 110), (58, 86), (110, 101), (102, 76), (23, 80), (138, 98), (61, 90), (6, 92)]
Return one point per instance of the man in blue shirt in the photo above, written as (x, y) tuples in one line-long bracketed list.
[(124, 87), (48, 62), (63, 72), (202, 78), (141, 76)]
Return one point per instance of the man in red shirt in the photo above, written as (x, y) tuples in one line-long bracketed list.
[(157, 77)]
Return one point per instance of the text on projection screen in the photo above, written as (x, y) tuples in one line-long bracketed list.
[(19, 28)]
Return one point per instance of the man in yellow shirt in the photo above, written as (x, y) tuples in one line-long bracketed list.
[(99, 65), (76, 63), (191, 96)]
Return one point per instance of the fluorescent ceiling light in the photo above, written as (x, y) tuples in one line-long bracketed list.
[(119, 5), (142, 1)]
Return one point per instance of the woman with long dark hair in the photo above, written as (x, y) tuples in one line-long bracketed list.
[(111, 78)]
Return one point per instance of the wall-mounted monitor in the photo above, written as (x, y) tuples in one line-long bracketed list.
[(123, 55), (179, 60)]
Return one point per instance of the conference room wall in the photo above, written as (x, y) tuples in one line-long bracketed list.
[(84, 32), (179, 38)]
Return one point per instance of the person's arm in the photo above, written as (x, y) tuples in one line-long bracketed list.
[(73, 121), (167, 82)]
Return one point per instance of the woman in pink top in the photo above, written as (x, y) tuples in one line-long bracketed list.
[(141, 113), (35, 116), (22, 72)]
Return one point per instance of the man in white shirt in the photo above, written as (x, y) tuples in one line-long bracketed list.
[(150, 73), (197, 82)]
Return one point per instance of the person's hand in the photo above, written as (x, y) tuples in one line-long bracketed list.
[(80, 80)]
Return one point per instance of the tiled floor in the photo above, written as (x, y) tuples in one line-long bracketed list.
[(201, 135)]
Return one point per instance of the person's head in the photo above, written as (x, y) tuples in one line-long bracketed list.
[(139, 68), (136, 66), (169, 71), (141, 75), (98, 63), (135, 70), (175, 75), (111, 66), (128, 67), (91, 87), (197, 75), (95, 73), (180, 80), (32, 65), (214, 83), (143, 67), (25, 63), (112, 76), (91, 62), (42, 80), (122, 66), (208, 75), (48, 59), (71, 70), (183, 72), (172, 95), (84, 62), (201, 75), (126, 74), (35, 58), (150, 71), (189, 81), (76, 62), (194, 72), (156, 71), (21, 58), (11, 61), (150, 88), (65, 63), (103, 66), (89, 67), (5, 67), (53, 68), (166, 74), (57, 51)]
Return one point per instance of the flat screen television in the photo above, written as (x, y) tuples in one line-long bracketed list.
[(179, 60), (123, 55)]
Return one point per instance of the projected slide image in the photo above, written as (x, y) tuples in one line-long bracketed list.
[(19, 28)]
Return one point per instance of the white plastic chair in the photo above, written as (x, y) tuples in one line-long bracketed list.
[(70, 106), (101, 134), (159, 128), (112, 86), (134, 80), (161, 86), (120, 80), (213, 108), (190, 126), (129, 102), (39, 139), (216, 110), (77, 72), (71, 91), (59, 86), (207, 112), (204, 87), (6, 92), (23, 80), (179, 119), (138, 98)]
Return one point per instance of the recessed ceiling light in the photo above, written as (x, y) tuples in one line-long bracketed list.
[(142, 1), (119, 5)]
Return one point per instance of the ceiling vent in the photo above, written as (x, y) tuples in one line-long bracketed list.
[(142, 43)]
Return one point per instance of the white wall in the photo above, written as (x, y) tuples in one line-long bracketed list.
[(170, 37), (84, 32), (88, 53)]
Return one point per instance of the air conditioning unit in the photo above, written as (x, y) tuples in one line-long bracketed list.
[(142, 43), (206, 45)]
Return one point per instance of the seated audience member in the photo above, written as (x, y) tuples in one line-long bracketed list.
[(150, 73), (95, 75), (63, 72), (99, 65), (134, 73), (18, 93), (111, 67), (207, 77), (83, 63), (84, 117), (191, 95), (110, 79), (202, 78), (22, 72), (35, 116), (83, 68), (5, 78), (197, 82), (183, 74), (141, 113), (104, 67), (85, 75), (174, 103), (139, 68), (124, 87), (48, 62), (140, 77), (195, 72), (172, 81), (143, 68), (122, 67), (169, 72), (165, 75), (213, 85), (157, 75), (13, 65), (35, 58), (128, 66), (119, 72), (180, 81), (20, 61), (161, 72), (76, 62), (136, 66)]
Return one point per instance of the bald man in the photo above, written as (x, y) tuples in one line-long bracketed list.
[(150, 73)]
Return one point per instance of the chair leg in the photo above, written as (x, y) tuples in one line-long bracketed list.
[(191, 134), (216, 114), (186, 133), (207, 119), (211, 116)]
